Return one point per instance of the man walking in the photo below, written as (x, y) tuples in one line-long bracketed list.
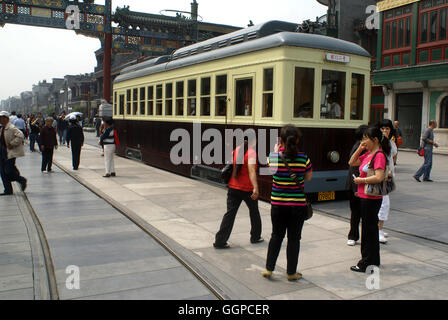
[(48, 142), (428, 145), (62, 128), (75, 137), (20, 124), (11, 147)]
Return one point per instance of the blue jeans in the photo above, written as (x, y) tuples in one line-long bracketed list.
[(425, 169), (62, 136)]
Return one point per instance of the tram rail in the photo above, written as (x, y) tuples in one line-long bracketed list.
[(163, 241)]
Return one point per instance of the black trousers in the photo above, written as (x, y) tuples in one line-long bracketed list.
[(9, 173), (370, 243), (47, 159), (355, 217), (285, 219), (234, 199), (76, 156)]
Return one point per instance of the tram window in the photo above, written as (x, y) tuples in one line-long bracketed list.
[(142, 101), (191, 104), (221, 95), (357, 97), (134, 101), (205, 96), (121, 104), (333, 95), (169, 99), (115, 103), (303, 92), (150, 110), (159, 99), (128, 101), (243, 97), (268, 92), (180, 98)]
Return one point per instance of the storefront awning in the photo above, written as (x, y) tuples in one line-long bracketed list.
[(390, 4)]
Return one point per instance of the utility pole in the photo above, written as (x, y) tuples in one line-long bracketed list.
[(107, 52)]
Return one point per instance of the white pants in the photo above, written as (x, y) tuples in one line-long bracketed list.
[(109, 152), (383, 214)]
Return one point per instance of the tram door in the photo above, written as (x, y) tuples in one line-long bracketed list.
[(244, 96)]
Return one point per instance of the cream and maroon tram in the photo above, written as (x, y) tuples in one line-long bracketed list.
[(262, 77)]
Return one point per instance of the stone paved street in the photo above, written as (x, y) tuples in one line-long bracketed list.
[(119, 261)]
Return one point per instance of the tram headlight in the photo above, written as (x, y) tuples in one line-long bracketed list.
[(334, 156)]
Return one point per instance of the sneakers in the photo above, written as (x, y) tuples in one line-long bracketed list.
[(294, 277), (428, 180), (417, 179), (113, 174), (221, 246), (259, 240), (351, 243), (23, 184), (382, 237), (357, 269), (106, 176)]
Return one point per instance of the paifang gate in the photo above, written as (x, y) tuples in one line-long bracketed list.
[(85, 18)]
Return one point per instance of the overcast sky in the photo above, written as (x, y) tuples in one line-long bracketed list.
[(31, 54)]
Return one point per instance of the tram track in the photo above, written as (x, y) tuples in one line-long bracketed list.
[(45, 282), (209, 281), (335, 215)]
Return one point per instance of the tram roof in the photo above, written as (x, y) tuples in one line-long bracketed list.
[(280, 39)]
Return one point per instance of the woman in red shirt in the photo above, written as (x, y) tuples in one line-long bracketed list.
[(243, 186), (377, 147)]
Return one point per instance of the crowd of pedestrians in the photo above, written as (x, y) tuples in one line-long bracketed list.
[(16, 128), (372, 162)]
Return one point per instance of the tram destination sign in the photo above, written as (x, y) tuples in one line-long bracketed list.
[(337, 58)]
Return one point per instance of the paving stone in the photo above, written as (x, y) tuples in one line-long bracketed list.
[(125, 282), (178, 291)]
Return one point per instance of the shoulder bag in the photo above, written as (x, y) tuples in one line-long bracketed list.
[(226, 173), (309, 208), (383, 188)]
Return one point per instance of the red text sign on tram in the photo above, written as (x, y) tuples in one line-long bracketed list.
[(337, 58)]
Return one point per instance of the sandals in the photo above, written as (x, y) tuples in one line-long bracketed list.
[(291, 277), (267, 274), (294, 277)]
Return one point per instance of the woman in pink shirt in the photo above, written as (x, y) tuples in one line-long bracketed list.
[(378, 148)]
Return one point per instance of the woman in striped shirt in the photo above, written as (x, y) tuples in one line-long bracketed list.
[(288, 200)]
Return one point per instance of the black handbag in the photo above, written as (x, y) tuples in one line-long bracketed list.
[(226, 173), (309, 208)]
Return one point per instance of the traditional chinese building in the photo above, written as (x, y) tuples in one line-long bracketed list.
[(346, 19), (412, 66), (160, 35)]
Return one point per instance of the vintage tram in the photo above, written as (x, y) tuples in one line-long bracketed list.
[(262, 77)]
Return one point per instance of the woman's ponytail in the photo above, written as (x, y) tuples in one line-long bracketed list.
[(291, 135)]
